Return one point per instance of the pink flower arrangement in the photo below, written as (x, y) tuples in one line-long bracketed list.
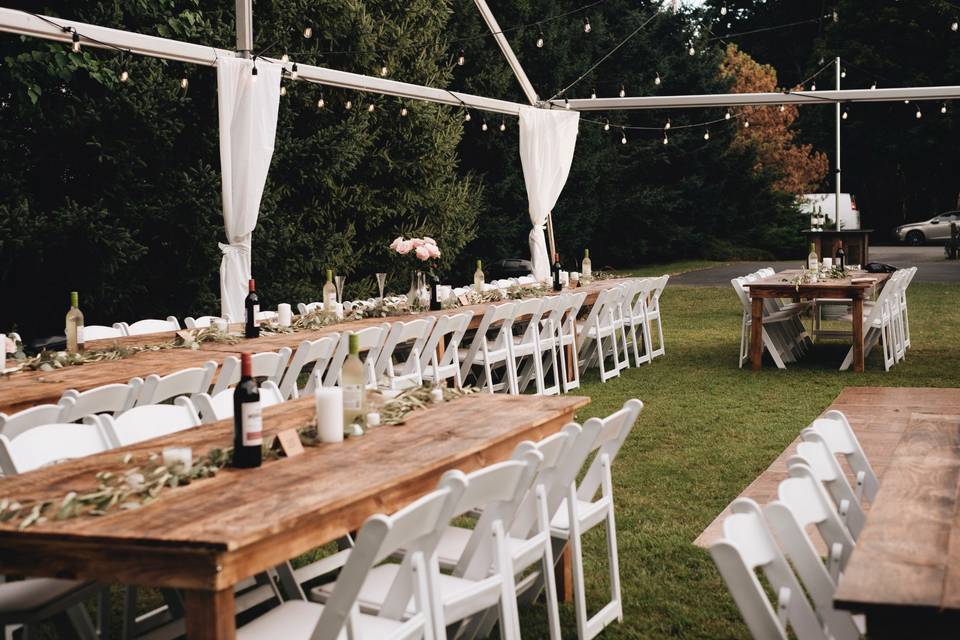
[(424, 248)]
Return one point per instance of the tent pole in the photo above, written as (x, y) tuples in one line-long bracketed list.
[(550, 240), (836, 186), (245, 27)]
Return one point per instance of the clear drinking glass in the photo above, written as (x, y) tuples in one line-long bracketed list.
[(381, 282), (339, 281)]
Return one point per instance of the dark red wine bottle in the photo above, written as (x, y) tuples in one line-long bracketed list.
[(251, 307), (841, 257), (557, 284), (247, 419)]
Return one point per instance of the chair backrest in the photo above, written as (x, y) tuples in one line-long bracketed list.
[(187, 382), (552, 451), (639, 296), (574, 304), (530, 311), (17, 423), (602, 311), (451, 330), (498, 320), (742, 293), (412, 334), (613, 432), (149, 325), (371, 340), (318, 352), (111, 398), (806, 498), (417, 529), (200, 323), (659, 284), (815, 454), (840, 438), (220, 406), (101, 332), (149, 421), (747, 546), (49, 443), (269, 365)]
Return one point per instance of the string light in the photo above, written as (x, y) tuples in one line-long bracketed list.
[(843, 73), (943, 108), (308, 32), (503, 126), (813, 86), (283, 91), (657, 80), (403, 112), (667, 126), (706, 134), (540, 40), (462, 58), (284, 58), (294, 72), (593, 94), (746, 124), (691, 50), (727, 115), (623, 91), (348, 105), (836, 16), (484, 127), (383, 70), (723, 10), (566, 104), (371, 107), (846, 114), (623, 136), (586, 25), (76, 42), (874, 85), (467, 117), (666, 140), (124, 75), (954, 25), (782, 108), (919, 114), (321, 103), (606, 125), (184, 83), (906, 102)]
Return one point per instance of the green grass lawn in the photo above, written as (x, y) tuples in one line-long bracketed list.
[(707, 430)]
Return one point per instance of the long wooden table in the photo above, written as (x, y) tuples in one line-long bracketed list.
[(904, 573), (780, 285), (206, 537), (23, 390)]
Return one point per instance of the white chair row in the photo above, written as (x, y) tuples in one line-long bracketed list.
[(816, 496), (886, 321), (530, 507), (784, 336)]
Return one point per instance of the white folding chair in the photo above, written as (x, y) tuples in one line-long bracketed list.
[(144, 422), (654, 315), (411, 337), (836, 432), (637, 294), (814, 454), (111, 398), (602, 324), (101, 332), (567, 334), (200, 323), (214, 407), (413, 528), (492, 346), (547, 344), (149, 325), (527, 344), (447, 334), (370, 342), (316, 352), (590, 504), (269, 365), (911, 272), (746, 546), (771, 342), (157, 389), (14, 424), (50, 443), (877, 328)]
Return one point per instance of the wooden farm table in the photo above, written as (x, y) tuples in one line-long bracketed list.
[(780, 285), (905, 569), (26, 389), (206, 537)]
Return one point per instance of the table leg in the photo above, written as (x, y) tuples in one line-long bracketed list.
[(858, 333), (756, 333), (563, 575), (210, 615)]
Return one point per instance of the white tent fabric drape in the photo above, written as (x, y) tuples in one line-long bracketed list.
[(248, 107), (547, 141)]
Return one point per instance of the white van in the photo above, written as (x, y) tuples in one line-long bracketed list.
[(849, 214)]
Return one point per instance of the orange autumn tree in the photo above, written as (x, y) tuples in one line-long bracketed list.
[(770, 131)]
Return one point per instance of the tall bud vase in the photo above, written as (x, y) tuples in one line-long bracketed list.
[(413, 296)]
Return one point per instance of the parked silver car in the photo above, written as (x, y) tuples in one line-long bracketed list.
[(936, 229)]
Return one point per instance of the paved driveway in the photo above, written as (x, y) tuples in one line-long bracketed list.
[(931, 267)]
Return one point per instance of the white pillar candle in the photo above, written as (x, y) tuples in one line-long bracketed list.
[(338, 310), (329, 403), (564, 278), (373, 419), (436, 395), (828, 263), (285, 314), (173, 456)]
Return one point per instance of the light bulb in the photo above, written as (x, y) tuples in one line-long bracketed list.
[(593, 94), (782, 108), (403, 112), (746, 124), (919, 115), (184, 83), (706, 135), (467, 117), (566, 104), (657, 80), (308, 32), (586, 25), (294, 71), (813, 86), (606, 125), (943, 108), (76, 42), (124, 76), (321, 103), (727, 115), (253, 74), (836, 16), (906, 102), (623, 137), (484, 127), (846, 114), (284, 58), (623, 91), (540, 41), (954, 25), (384, 71), (283, 91), (371, 107), (692, 51), (348, 105), (462, 58), (873, 86), (843, 73), (667, 126), (503, 126), (666, 140), (723, 10)]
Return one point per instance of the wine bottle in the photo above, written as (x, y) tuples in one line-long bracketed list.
[(586, 270), (435, 293), (329, 293), (251, 307), (354, 386), (247, 418), (841, 257), (478, 278), (557, 285), (813, 261), (74, 327)]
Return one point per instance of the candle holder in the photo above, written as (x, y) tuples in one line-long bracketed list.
[(381, 282)]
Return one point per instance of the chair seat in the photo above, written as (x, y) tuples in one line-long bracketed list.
[(24, 596), (297, 619), (588, 514), (496, 355), (454, 540)]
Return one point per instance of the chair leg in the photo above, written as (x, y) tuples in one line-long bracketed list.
[(80, 622)]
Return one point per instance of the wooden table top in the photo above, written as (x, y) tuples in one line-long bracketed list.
[(908, 554), (782, 284), (23, 390), (215, 532)]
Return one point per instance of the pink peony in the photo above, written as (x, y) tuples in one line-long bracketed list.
[(434, 250), (9, 345), (405, 247), (417, 242), (429, 240), (396, 243), (423, 252)]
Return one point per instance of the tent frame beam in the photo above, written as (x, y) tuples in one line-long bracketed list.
[(507, 51)]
